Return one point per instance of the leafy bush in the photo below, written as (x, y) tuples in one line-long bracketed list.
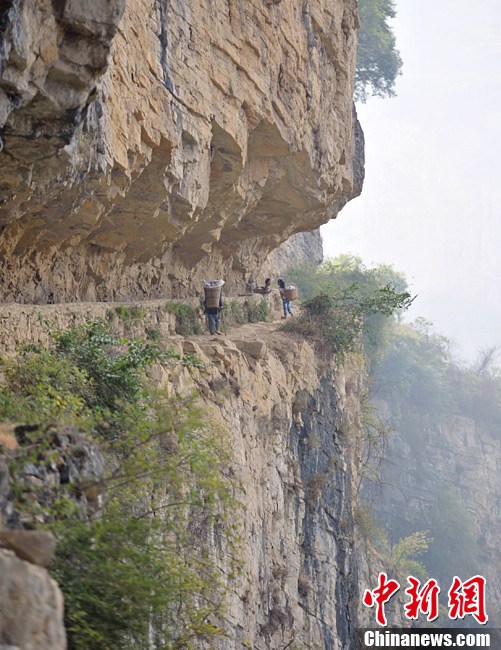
[(340, 318), (236, 313), (114, 366), (401, 557), (153, 334), (129, 314), (348, 304), (257, 310), (145, 567), (414, 371), (41, 387), (87, 376), (187, 318), (148, 566), (249, 311)]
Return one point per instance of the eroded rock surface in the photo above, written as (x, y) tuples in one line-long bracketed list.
[(147, 144), (295, 426), (294, 423), (31, 612)]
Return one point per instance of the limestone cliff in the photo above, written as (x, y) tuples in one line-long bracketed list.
[(31, 616), (294, 420), (305, 247), (294, 434), (148, 143)]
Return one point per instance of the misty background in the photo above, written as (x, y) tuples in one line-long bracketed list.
[(432, 189)]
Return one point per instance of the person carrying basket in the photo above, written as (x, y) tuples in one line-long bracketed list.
[(213, 303), (287, 294)]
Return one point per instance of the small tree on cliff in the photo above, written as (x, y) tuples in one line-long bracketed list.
[(347, 303), (378, 60)]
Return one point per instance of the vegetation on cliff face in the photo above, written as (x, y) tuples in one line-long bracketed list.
[(146, 567), (378, 60), (348, 305), (429, 392), (421, 377), (421, 391)]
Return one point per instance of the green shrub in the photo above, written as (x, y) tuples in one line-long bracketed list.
[(339, 317), (257, 310), (187, 318), (348, 304), (153, 334), (115, 368), (87, 377), (236, 313), (250, 311), (129, 314), (41, 387), (399, 558), (378, 61), (147, 567)]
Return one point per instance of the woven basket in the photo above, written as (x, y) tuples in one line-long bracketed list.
[(212, 295), (291, 293)]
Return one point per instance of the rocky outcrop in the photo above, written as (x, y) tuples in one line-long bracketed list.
[(295, 429), (303, 248), (66, 465), (31, 602), (294, 422), (35, 546), (31, 612), (150, 143)]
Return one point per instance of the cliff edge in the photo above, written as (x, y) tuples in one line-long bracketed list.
[(149, 143)]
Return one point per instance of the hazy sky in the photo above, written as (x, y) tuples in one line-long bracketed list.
[(432, 191)]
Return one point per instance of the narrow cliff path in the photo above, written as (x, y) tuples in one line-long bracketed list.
[(247, 331), (28, 323)]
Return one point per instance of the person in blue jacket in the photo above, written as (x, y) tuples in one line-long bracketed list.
[(286, 303)]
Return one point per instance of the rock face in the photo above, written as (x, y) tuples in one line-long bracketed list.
[(31, 615), (35, 546), (294, 425), (31, 602), (305, 247), (150, 143)]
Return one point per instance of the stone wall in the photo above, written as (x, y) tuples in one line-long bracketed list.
[(150, 143)]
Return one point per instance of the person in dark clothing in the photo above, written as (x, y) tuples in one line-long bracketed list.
[(214, 317), (265, 291), (285, 301)]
